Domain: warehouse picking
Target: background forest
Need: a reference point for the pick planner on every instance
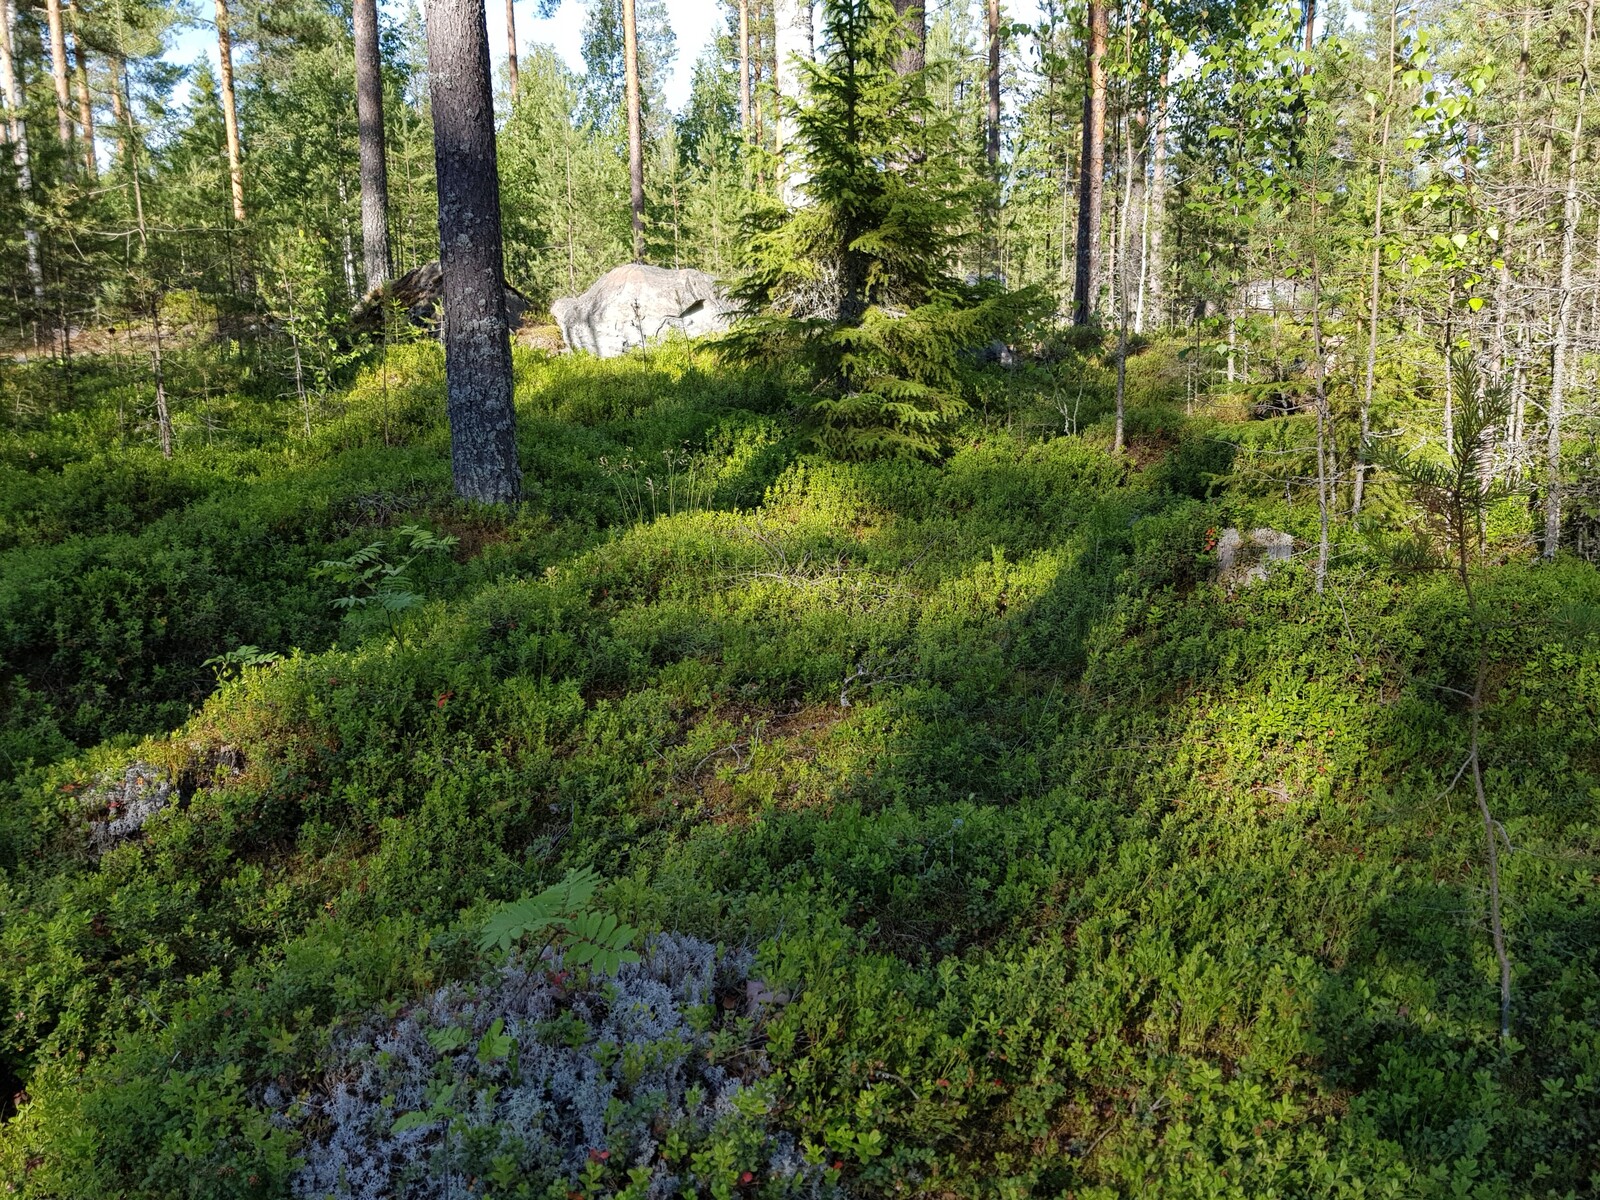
(1091, 688)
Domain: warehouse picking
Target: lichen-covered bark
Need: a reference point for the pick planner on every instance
(483, 448)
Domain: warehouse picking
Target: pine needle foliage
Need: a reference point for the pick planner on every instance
(1455, 494)
(857, 284)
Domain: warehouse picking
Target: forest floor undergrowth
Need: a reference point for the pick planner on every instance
(1036, 863)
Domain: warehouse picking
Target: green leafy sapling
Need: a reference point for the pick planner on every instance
(376, 575)
(1455, 495)
(233, 662)
(560, 918)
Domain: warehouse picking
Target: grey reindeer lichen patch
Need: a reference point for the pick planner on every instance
(532, 1084)
(119, 805)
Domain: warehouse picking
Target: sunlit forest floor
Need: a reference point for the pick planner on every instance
(1062, 868)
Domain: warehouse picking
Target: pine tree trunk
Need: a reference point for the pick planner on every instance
(17, 134)
(511, 48)
(914, 56)
(230, 112)
(993, 147)
(80, 63)
(483, 446)
(58, 71)
(744, 70)
(630, 58)
(374, 164)
(1091, 176)
(1572, 212)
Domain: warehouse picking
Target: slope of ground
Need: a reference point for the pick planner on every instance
(1066, 871)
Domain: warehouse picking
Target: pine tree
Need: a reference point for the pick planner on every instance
(374, 161)
(630, 67)
(230, 111)
(1091, 175)
(58, 70)
(483, 447)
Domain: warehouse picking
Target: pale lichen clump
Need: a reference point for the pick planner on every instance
(532, 1079)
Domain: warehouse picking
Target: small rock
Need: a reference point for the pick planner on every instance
(1245, 558)
(121, 806)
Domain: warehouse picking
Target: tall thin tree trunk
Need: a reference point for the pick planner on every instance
(1522, 83)
(58, 71)
(1134, 200)
(370, 138)
(1065, 265)
(80, 64)
(1572, 212)
(1449, 374)
(114, 78)
(511, 47)
(792, 46)
(163, 416)
(230, 111)
(914, 56)
(120, 65)
(299, 363)
(1517, 363)
(17, 133)
(994, 85)
(757, 125)
(1120, 266)
(630, 58)
(1319, 373)
(1091, 176)
(157, 371)
(483, 444)
(1369, 386)
(572, 213)
(744, 71)
(1151, 278)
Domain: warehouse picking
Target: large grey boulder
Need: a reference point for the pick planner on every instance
(629, 306)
